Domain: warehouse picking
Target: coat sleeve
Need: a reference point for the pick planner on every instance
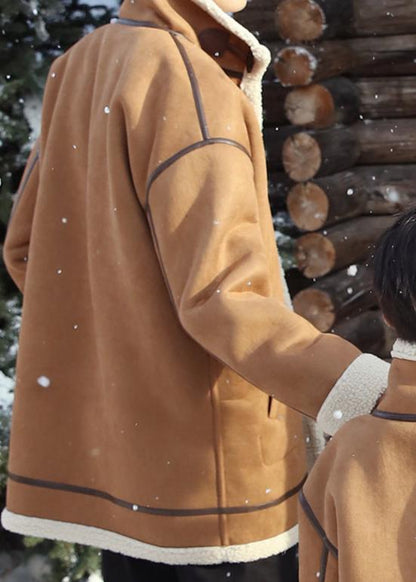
(203, 211)
(16, 246)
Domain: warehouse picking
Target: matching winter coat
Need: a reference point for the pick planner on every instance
(159, 369)
(357, 509)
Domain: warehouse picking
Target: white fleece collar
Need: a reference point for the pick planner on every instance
(403, 350)
(251, 83)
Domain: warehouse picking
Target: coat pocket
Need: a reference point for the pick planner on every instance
(273, 407)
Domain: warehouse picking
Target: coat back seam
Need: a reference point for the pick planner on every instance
(196, 92)
(324, 563)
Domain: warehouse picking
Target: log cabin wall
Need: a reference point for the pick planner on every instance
(340, 136)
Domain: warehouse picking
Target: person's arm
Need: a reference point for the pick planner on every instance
(16, 245)
(202, 208)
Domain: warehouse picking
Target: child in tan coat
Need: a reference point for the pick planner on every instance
(358, 506)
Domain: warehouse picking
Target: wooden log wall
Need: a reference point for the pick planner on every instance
(340, 137)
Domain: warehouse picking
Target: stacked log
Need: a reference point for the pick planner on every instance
(313, 20)
(340, 136)
(363, 190)
(302, 65)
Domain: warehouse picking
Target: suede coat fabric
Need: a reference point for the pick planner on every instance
(157, 357)
(358, 505)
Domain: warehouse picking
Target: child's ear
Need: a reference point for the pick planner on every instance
(387, 322)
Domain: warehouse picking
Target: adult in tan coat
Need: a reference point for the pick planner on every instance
(357, 508)
(159, 368)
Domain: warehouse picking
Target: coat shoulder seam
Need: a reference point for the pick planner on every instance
(183, 152)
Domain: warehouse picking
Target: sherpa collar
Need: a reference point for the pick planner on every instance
(190, 17)
(403, 350)
(400, 396)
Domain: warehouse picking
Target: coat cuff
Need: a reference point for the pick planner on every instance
(356, 392)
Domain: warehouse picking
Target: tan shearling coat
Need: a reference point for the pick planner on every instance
(157, 358)
(357, 508)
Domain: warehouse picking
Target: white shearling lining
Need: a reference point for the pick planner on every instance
(251, 84)
(355, 393)
(107, 540)
(403, 350)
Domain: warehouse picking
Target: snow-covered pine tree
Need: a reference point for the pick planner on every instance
(32, 34)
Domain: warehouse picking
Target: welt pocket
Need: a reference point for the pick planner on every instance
(272, 407)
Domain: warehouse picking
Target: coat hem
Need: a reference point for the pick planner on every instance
(108, 540)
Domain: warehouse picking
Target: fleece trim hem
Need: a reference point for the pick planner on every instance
(108, 540)
(355, 393)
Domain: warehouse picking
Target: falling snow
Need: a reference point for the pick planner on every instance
(44, 381)
(392, 194)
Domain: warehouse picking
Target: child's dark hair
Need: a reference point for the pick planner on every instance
(395, 275)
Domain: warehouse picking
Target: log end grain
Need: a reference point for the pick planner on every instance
(295, 66)
(311, 106)
(301, 157)
(300, 20)
(308, 206)
(315, 255)
(315, 306)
